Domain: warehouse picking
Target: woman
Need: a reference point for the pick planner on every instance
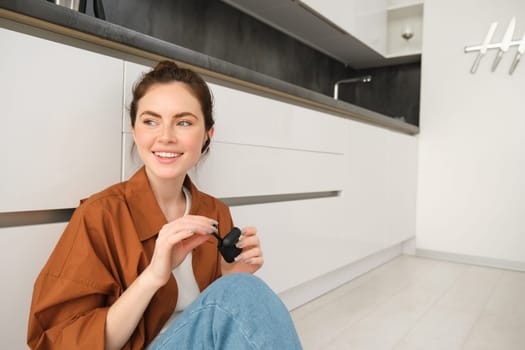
(137, 254)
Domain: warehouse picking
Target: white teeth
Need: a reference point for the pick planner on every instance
(167, 154)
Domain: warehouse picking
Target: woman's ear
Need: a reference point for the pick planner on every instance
(208, 140)
(205, 146)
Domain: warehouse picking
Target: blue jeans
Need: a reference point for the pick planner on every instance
(238, 311)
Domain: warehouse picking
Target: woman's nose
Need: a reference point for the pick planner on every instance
(167, 134)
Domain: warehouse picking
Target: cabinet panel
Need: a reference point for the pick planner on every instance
(402, 186)
(302, 240)
(60, 135)
(241, 170)
(132, 73)
(130, 157)
(365, 20)
(250, 119)
(381, 183)
(405, 20)
(366, 186)
(29, 248)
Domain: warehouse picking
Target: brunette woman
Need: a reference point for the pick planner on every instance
(138, 265)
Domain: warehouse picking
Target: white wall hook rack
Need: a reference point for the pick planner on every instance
(503, 47)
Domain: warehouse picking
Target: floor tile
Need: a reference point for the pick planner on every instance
(502, 323)
(417, 303)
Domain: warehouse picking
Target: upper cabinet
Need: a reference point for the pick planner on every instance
(364, 20)
(359, 33)
(405, 28)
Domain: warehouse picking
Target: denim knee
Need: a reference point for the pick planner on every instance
(237, 311)
(238, 287)
(256, 310)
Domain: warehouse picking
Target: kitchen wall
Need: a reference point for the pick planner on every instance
(219, 30)
(471, 174)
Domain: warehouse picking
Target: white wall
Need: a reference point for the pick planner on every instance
(471, 173)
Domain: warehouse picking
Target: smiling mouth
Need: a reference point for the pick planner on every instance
(167, 154)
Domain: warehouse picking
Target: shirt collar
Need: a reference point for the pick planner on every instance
(146, 213)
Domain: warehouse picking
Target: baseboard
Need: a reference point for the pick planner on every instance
(310, 290)
(471, 259)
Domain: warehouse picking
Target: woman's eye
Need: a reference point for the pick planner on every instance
(184, 123)
(150, 122)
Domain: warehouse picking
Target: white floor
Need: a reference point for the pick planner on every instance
(418, 303)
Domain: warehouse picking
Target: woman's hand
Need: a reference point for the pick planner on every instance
(251, 258)
(176, 239)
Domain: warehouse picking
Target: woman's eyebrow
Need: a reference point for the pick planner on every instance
(153, 114)
(178, 115)
(185, 114)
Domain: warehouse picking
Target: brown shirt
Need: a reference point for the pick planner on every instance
(108, 242)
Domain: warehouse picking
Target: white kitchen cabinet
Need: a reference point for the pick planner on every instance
(249, 119)
(380, 185)
(400, 202)
(27, 250)
(365, 20)
(232, 170)
(405, 28)
(130, 159)
(132, 74)
(267, 147)
(61, 122)
(400, 4)
(380, 24)
(301, 240)
(361, 34)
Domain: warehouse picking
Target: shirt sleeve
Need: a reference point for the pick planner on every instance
(73, 292)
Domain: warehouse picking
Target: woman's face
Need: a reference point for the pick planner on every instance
(169, 130)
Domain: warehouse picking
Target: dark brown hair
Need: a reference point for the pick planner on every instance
(167, 72)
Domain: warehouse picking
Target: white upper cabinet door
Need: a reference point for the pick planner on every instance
(364, 20)
(61, 123)
(405, 28)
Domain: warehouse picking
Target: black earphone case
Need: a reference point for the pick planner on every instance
(227, 246)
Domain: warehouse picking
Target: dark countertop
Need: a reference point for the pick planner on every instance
(77, 24)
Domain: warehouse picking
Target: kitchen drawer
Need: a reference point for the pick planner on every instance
(232, 170)
(60, 135)
(28, 250)
(249, 119)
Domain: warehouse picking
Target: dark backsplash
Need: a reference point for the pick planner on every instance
(221, 31)
(393, 91)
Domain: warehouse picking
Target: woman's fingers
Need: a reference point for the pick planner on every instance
(251, 247)
(248, 238)
(249, 231)
(190, 223)
(251, 256)
(175, 240)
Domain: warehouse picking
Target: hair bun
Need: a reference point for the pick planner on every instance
(162, 65)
